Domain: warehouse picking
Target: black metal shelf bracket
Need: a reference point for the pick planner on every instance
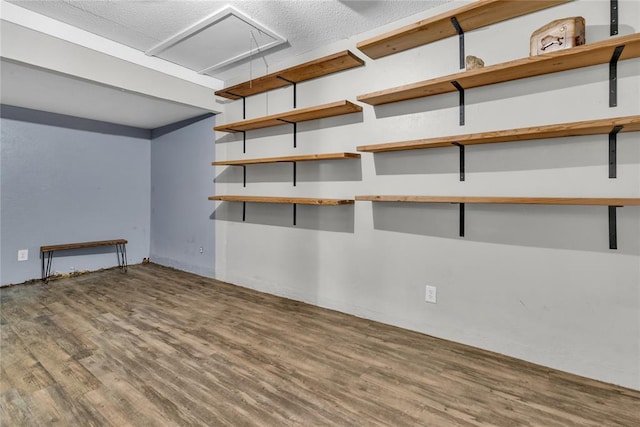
(461, 159)
(614, 17)
(461, 218)
(244, 104)
(295, 131)
(613, 143)
(244, 139)
(461, 92)
(460, 32)
(244, 175)
(613, 76)
(294, 213)
(613, 232)
(295, 86)
(244, 211)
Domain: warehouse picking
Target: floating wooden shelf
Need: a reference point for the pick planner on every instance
(588, 127)
(286, 159)
(475, 15)
(611, 203)
(299, 73)
(577, 57)
(301, 115)
(285, 200)
(507, 200)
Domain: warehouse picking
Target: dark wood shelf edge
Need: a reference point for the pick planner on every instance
(283, 200)
(283, 77)
(294, 116)
(286, 159)
(470, 17)
(563, 60)
(561, 130)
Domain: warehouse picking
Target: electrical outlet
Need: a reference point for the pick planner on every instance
(430, 294)
(23, 255)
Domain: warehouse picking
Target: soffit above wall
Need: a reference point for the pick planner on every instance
(22, 85)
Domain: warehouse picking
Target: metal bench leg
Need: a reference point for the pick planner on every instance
(121, 253)
(46, 271)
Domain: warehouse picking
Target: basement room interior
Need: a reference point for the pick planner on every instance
(320, 213)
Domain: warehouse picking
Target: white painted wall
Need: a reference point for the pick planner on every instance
(534, 282)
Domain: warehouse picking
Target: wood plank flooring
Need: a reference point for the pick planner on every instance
(159, 347)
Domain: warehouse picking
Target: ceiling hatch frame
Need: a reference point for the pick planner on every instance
(210, 21)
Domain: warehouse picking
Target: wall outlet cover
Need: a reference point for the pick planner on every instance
(430, 294)
(23, 255)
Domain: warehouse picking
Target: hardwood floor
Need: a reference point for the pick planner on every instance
(158, 347)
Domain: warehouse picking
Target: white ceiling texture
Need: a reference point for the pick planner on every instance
(202, 42)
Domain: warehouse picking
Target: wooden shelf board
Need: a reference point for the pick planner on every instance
(588, 127)
(309, 70)
(470, 17)
(302, 158)
(507, 200)
(295, 116)
(576, 57)
(287, 200)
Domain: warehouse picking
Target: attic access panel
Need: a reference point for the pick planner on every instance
(221, 39)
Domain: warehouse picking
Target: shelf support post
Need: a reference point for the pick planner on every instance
(613, 233)
(461, 147)
(613, 76)
(614, 17)
(244, 175)
(461, 219)
(295, 135)
(295, 86)
(461, 92)
(244, 211)
(244, 142)
(294, 214)
(295, 167)
(613, 143)
(460, 32)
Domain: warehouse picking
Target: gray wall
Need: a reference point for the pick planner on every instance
(182, 179)
(534, 282)
(64, 180)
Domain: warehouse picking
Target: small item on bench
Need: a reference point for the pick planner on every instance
(47, 251)
(557, 35)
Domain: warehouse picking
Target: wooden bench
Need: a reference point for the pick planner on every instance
(47, 252)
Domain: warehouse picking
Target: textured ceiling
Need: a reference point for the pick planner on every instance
(306, 24)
